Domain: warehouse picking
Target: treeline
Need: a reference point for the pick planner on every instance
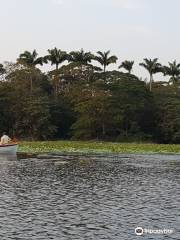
(81, 99)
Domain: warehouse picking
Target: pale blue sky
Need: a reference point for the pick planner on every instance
(131, 29)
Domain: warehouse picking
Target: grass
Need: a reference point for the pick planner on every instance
(96, 147)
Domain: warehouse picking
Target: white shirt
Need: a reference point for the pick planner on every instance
(5, 139)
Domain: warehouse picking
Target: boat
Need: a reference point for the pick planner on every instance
(10, 148)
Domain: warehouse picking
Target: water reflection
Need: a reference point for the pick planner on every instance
(7, 157)
(88, 197)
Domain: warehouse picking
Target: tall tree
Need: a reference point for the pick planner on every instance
(80, 58)
(173, 70)
(94, 113)
(104, 59)
(153, 67)
(56, 57)
(30, 60)
(127, 65)
(167, 114)
(80, 66)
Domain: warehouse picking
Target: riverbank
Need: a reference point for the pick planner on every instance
(96, 147)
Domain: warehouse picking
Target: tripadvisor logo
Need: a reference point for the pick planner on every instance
(139, 231)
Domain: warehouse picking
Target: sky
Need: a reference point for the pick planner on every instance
(131, 29)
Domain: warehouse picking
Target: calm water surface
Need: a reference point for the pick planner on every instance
(84, 197)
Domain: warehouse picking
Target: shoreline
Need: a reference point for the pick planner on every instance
(94, 147)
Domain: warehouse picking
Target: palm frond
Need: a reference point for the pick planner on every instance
(104, 59)
(29, 59)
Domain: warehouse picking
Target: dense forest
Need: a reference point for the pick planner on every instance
(81, 99)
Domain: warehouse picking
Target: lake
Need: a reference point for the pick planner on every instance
(89, 197)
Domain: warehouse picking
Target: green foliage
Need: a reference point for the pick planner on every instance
(127, 65)
(56, 57)
(130, 102)
(80, 101)
(62, 116)
(173, 70)
(28, 114)
(6, 117)
(168, 114)
(30, 59)
(93, 115)
(80, 57)
(113, 110)
(153, 67)
(104, 59)
(34, 119)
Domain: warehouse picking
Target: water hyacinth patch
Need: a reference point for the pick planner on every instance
(96, 147)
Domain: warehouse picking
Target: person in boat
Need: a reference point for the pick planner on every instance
(5, 139)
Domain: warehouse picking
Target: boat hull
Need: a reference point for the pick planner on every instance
(8, 149)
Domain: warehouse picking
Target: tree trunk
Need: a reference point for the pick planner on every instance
(150, 83)
(173, 80)
(105, 72)
(56, 81)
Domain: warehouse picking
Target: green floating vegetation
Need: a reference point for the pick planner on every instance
(96, 147)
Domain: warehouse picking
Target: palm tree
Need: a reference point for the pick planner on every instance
(30, 60)
(104, 59)
(127, 65)
(173, 70)
(80, 57)
(153, 67)
(56, 57)
(80, 63)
